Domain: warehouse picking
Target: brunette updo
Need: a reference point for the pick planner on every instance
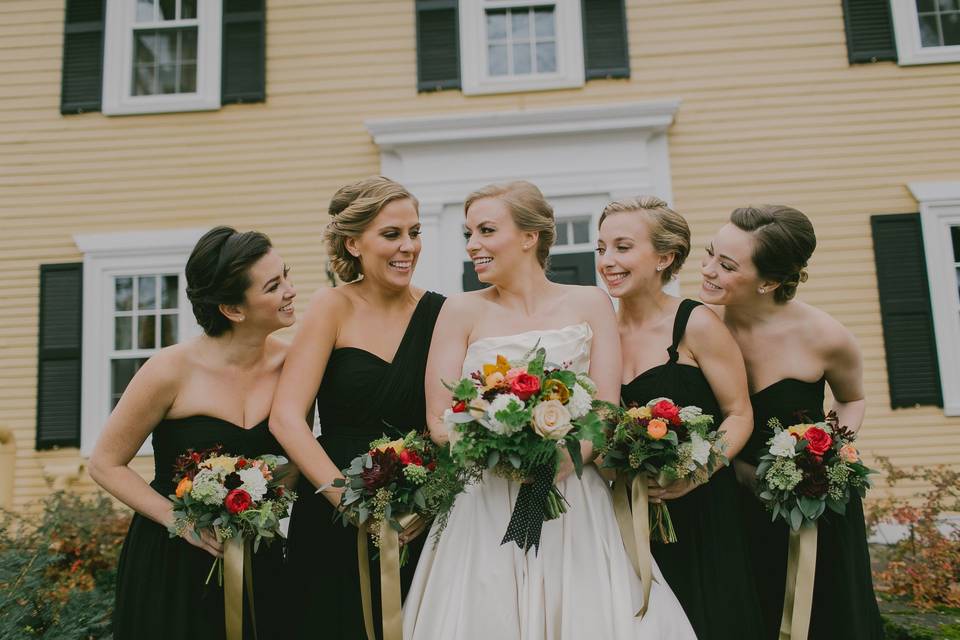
(784, 242)
(353, 207)
(218, 273)
(669, 231)
(528, 208)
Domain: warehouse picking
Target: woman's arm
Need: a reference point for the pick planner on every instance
(302, 373)
(844, 372)
(448, 347)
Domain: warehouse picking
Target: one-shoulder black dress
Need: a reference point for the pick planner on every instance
(844, 605)
(160, 580)
(707, 566)
(361, 397)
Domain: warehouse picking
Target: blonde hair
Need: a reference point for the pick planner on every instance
(669, 231)
(353, 207)
(528, 208)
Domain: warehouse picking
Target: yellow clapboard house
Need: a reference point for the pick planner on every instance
(128, 127)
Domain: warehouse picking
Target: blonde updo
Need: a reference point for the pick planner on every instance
(353, 207)
(784, 241)
(528, 208)
(669, 231)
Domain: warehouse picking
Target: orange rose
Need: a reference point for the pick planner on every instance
(657, 428)
(184, 486)
(849, 453)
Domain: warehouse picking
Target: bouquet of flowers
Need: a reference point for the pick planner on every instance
(512, 418)
(667, 443)
(808, 469)
(240, 498)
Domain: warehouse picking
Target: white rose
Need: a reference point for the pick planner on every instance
(551, 420)
(656, 400)
(500, 403)
(700, 449)
(253, 483)
(689, 414)
(783, 445)
(580, 402)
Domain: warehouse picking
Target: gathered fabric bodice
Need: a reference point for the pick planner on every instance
(568, 346)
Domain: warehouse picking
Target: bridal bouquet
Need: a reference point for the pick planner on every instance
(665, 442)
(809, 468)
(513, 418)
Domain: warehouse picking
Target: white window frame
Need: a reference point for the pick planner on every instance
(118, 61)
(106, 256)
(475, 78)
(910, 51)
(940, 210)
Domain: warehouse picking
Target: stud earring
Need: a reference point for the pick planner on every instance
(761, 291)
(659, 267)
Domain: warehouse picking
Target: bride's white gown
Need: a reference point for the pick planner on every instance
(580, 586)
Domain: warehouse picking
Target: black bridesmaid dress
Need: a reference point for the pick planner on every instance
(160, 580)
(706, 566)
(844, 605)
(361, 397)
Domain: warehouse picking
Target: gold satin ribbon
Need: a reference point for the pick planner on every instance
(390, 605)
(633, 518)
(237, 568)
(798, 595)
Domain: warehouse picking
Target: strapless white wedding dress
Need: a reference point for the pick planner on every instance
(580, 586)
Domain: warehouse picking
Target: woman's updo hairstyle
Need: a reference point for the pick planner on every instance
(218, 273)
(669, 231)
(528, 208)
(784, 239)
(353, 208)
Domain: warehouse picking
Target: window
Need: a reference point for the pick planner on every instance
(520, 45)
(927, 31)
(134, 303)
(161, 55)
(573, 232)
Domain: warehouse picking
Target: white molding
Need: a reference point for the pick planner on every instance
(475, 79)
(939, 211)
(117, 98)
(107, 255)
(906, 26)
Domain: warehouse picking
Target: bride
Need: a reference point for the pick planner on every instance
(580, 584)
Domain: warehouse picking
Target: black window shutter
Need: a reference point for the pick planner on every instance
(869, 31)
(243, 65)
(605, 52)
(912, 368)
(82, 71)
(58, 367)
(438, 45)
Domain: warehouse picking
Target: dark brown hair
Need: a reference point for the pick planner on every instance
(785, 240)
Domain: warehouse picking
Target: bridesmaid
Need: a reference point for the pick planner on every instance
(360, 355)
(211, 390)
(679, 349)
(751, 270)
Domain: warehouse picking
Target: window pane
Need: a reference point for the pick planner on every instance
(497, 59)
(188, 45)
(168, 292)
(123, 294)
(188, 9)
(929, 35)
(168, 330)
(496, 25)
(950, 24)
(144, 76)
(562, 234)
(145, 10)
(147, 292)
(581, 232)
(949, 5)
(168, 9)
(543, 23)
(122, 333)
(167, 78)
(147, 332)
(166, 50)
(144, 47)
(546, 57)
(188, 78)
(926, 5)
(955, 235)
(521, 58)
(121, 372)
(520, 24)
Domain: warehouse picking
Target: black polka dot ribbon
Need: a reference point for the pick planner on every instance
(530, 509)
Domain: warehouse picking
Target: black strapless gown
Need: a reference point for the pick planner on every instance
(844, 605)
(160, 580)
(706, 566)
(361, 397)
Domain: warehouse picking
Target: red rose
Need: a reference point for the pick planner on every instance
(432, 466)
(242, 463)
(460, 407)
(410, 457)
(525, 385)
(668, 411)
(238, 501)
(818, 441)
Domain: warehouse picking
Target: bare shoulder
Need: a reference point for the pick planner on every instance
(276, 351)
(164, 372)
(336, 299)
(827, 334)
(586, 297)
(704, 323)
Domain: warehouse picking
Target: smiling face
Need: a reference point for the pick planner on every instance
(729, 275)
(626, 259)
(268, 301)
(389, 246)
(495, 244)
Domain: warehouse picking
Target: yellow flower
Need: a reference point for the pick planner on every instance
(799, 429)
(396, 445)
(502, 365)
(556, 390)
(222, 463)
(183, 487)
(638, 413)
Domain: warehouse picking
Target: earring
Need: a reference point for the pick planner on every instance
(659, 267)
(761, 291)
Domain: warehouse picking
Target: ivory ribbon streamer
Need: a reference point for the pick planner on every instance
(390, 604)
(798, 595)
(633, 518)
(238, 569)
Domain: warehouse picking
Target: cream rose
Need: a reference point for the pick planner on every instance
(551, 420)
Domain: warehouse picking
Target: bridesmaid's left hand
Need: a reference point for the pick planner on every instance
(410, 533)
(672, 491)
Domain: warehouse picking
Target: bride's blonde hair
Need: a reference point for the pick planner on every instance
(528, 208)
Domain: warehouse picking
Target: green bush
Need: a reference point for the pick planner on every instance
(58, 568)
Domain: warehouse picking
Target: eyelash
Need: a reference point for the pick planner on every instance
(273, 287)
(483, 231)
(620, 248)
(723, 266)
(393, 235)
